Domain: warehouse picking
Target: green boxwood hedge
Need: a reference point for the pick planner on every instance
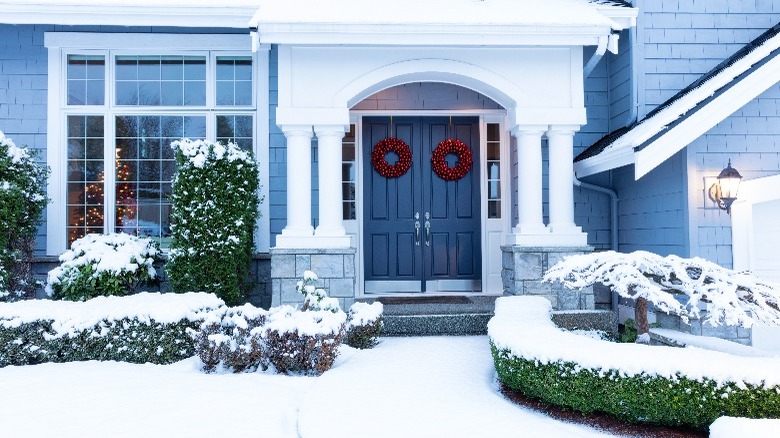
(126, 340)
(637, 399)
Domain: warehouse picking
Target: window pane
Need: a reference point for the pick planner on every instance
(86, 80)
(234, 80)
(85, 197)
(348, 170)
(144, 170)
(494, 170)
(235, 129)
(161, 80)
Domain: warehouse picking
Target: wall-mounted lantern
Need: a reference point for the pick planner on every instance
(724, 192)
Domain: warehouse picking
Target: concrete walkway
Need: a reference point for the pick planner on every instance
(420, 387)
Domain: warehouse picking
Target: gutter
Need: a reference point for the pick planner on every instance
(601, 49)
(613, 223)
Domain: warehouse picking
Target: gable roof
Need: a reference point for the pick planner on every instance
(459, 22)
(690, 113)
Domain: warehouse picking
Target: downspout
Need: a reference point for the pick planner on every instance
(601, 49)
(613, 224)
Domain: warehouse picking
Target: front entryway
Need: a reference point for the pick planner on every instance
(421, 233)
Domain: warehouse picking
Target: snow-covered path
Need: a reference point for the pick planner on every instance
(421, 387)
(404, 387)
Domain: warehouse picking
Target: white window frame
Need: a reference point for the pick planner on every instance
(62, 44)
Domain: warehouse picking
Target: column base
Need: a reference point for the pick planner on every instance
(573, 237)
(283, 241)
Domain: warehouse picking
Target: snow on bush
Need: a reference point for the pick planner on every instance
(22, 200)
(227, 338)
(365, 324)
(315, 298)
(103, 265)
(146, 327)
(214, 209)
(675, 285)
(638, 383)
(303, 342)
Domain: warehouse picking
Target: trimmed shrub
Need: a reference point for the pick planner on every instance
(22, 200)
(365, 325)
(229, 337)
(636, 383)
(303, 342)
(214, 210)
(103, 265)
(142, 328)
(639, 398)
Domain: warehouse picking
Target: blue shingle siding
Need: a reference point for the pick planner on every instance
(652, 211)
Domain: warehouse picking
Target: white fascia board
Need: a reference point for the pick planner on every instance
(607, 160)
(623, 17)
(415, 35)
(701, 121)
(148, 14)
(171, 41)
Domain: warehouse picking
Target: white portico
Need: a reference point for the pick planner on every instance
(527, 56)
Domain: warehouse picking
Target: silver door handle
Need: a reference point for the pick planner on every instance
(417, 228)
(427, 232)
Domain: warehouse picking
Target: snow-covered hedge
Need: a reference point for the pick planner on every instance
(637, 383)
(214, 209)
(103, 265)
(22, 200)
(228, 339)
(365, 324)
(146, 327)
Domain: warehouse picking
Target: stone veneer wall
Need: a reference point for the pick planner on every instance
(523, 268)
(334, 267)
(731, 333)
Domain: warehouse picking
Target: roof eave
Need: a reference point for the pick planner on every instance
(127, 15)
(607, 160)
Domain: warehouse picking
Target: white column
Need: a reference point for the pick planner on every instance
(298, 232)
(330, 231)
(529, 183)
(561, 148)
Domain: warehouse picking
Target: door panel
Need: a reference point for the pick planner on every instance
(447, 259)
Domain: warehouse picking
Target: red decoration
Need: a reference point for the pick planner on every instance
(452, 146)
(391, 145)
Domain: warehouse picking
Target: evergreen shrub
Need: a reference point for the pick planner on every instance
(214, 209)
(22, 200)
(642, 398)
(365, 325)
(103, 265)
(229, 337)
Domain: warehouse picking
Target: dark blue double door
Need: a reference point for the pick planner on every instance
(421, 233)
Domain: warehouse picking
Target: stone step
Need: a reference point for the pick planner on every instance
(436, 325)
(432, 316)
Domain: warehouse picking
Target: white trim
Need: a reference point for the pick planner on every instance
(751, 192)
(262, 146)
(607, 160)
(150, 42)
(56, 234)
(198, 13)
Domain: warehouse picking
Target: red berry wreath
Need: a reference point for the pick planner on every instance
(451, 146)
(391, 145)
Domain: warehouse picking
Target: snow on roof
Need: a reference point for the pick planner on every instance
(691, 99)
(185, 13)
(453, 12)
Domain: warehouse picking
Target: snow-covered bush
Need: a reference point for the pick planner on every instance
(304, 342)
(103, 265)
(675, 286)
(636, 383)
(315, 298)
(214, 208)
(22, 200)
(230, 337)
(365, 324)
(146, 327)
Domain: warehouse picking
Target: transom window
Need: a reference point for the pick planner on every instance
(122, 111)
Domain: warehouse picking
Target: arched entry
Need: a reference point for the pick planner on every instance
(422, 233)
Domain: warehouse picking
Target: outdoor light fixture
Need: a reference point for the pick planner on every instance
(724, 192)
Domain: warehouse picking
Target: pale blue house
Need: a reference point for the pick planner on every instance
(590, 124)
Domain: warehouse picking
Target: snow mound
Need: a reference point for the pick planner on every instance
(729, 427)
(287, 319)
(364, 313)
(522, 325)
(73, 317)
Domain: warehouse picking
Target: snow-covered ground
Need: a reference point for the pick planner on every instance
(404, 387)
